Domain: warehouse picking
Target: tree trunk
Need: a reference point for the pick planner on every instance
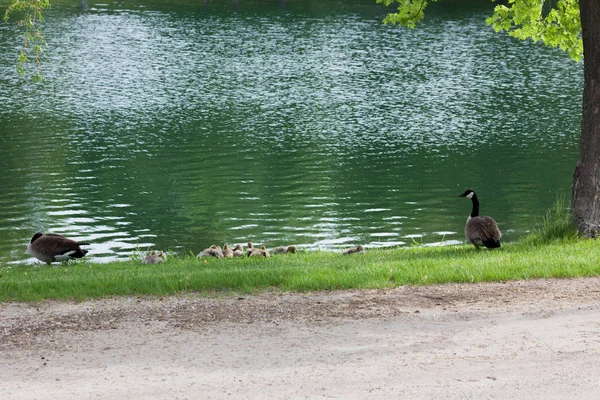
(586, 180)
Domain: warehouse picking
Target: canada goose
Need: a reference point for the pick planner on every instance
(51, 247)
(154, 258)
(284, 249)
(352, 250)
(227, 252)
(481, 230)
(238, 251)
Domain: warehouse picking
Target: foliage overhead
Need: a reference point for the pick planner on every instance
(409, 12)
(30, 14)
(556, 24)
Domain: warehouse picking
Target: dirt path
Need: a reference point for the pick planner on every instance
(534, 339)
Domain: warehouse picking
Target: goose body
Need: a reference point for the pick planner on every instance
(51, 247)
(481, 230)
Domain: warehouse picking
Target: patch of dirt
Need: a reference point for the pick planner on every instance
(454, 341)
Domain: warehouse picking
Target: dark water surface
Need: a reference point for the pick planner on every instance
(176, 126)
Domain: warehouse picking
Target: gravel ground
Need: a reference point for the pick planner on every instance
(529, 339)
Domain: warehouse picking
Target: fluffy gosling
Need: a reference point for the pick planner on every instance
(353, 250)
(212, 251)
(154, 258)
(284, 250)
(238, 251)
(262, 252)
(227, 252)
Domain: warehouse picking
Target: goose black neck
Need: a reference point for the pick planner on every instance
(475, 211)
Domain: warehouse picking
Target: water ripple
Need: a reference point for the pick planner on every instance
(177, 126)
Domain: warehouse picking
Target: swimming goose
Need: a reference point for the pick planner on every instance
(51, 247)
(480, 230)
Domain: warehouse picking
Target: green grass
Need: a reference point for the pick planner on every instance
(557, 223)
(310, 271)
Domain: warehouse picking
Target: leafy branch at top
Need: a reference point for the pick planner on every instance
(409, 12)
(556, 25)
(31, 13)
(526, 19)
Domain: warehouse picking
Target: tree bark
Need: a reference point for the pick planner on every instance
(586, 180)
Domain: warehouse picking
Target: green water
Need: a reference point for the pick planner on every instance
(176, 126)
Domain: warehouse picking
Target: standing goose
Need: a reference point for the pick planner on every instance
(481, 230)
(51, 247)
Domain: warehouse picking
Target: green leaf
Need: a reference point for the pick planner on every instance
(556, 24)
(33, 40)
(409, 12)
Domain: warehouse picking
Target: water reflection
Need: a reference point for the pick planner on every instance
(176, 126)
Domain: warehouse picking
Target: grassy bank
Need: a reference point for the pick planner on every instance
(382, 268)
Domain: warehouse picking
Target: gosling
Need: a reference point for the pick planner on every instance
(284, 250)
(262, 252)
(154, 257)
(212, 251)
(238, 251)
(227, 252)
(354, 250)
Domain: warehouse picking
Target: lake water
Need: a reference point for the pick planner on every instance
(178, 126)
